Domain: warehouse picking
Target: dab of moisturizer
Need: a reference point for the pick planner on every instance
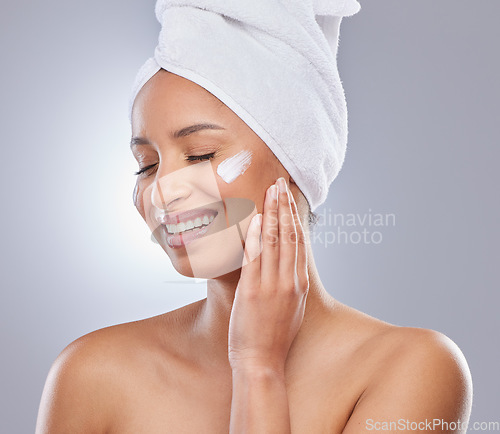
(234, 166)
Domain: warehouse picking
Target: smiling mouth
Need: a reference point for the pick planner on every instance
(190, 225)
(183, 228)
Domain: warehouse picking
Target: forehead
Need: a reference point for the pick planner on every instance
(167, 91)
(170, 102)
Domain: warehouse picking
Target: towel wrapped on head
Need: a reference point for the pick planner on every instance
(274, 64)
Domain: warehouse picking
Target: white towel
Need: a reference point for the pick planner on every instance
(274, 64)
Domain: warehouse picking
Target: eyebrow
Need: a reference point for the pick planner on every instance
(183, 132)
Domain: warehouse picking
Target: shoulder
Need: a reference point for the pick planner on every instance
(93, 373)
(429, 355)
(390, 348)
(418, 375)
(400, 374)
(77, 389)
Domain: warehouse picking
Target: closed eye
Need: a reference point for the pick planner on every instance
(188, 158)
(200, 157)
(145, 169)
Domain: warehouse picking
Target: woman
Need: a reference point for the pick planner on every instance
(269, 349)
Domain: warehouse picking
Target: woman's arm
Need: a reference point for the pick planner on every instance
(260, 402)
(267, 313)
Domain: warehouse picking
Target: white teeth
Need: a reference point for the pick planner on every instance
(186, 226)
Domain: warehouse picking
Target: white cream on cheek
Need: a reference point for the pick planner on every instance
(235, 166)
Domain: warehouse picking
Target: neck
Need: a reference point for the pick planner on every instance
(212, 320)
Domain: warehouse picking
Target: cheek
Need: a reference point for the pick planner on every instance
(252, 184)
(243, 186)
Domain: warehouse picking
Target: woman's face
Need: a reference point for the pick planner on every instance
(178, 156)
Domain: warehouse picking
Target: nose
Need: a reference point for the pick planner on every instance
(171, 189)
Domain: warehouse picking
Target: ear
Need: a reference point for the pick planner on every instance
(292, 181)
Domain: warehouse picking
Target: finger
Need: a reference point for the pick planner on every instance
(270, 239)
(301, 265)
(251, 260)
(287, 233)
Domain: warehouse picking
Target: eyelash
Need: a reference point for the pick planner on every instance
(189, 158)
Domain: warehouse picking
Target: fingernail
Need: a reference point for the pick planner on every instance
(282, 185)
(273, 192)
(258, 220)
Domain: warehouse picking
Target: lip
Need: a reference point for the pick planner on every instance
(180, 240)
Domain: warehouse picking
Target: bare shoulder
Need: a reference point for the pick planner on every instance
(93, 373)
(394, 345)
(415, 375)
(424, 358)
(73, 398)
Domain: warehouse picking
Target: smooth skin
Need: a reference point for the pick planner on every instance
(269, 350)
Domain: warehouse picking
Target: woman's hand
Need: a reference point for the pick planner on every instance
(270, 298)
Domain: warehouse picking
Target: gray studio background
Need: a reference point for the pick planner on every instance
(421, 79)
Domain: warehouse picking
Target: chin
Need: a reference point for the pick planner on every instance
(211, 262)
